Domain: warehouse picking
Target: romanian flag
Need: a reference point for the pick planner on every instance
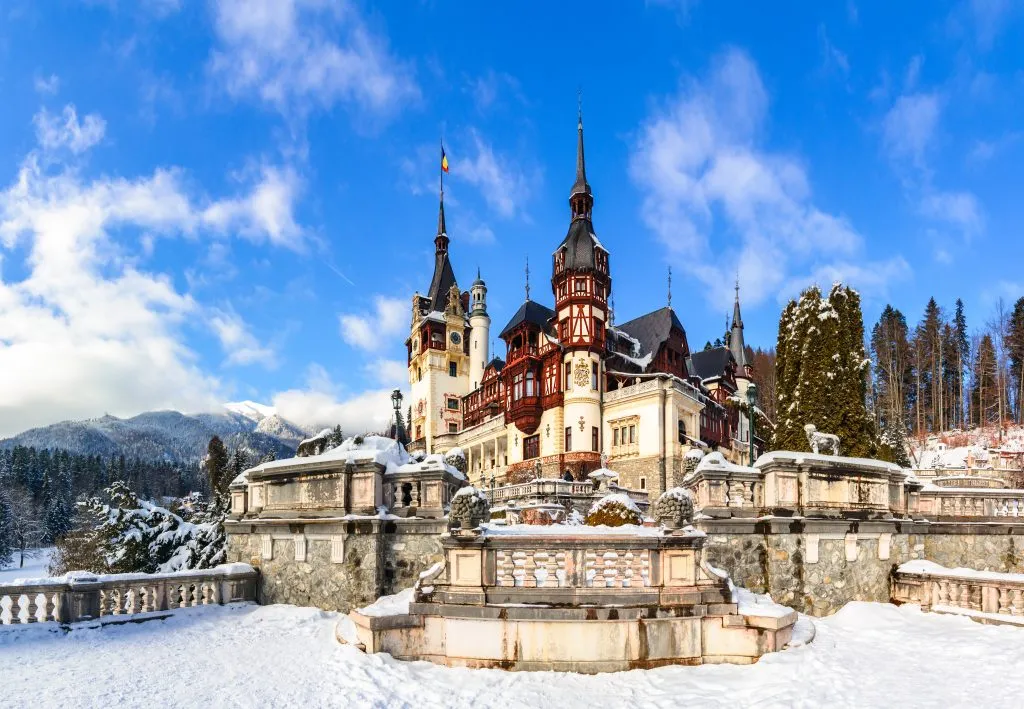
(444, 160)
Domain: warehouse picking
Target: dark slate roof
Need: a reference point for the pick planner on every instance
(709, 364)
(580, 242)
(652, 329)
(441, 283)
(498, 363)
(531, 312)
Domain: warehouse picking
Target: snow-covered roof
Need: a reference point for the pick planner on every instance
(372, 449)
(603, 474)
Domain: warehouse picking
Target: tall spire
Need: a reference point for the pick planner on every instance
(581, 199)
(527, 277)
(736, 344)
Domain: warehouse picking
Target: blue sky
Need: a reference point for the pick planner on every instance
(227, 199)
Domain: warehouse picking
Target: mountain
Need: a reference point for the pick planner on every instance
(170, 435)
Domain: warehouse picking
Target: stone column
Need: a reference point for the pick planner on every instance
(82, 599)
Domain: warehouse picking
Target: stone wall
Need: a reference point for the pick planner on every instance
(817, 566)
(345, 564)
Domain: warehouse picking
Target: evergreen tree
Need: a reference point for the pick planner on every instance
(822, 370)
(218, 474)
(1015, 350)
(336, 438)
(984, 389)
(963, 355)
(7, 542)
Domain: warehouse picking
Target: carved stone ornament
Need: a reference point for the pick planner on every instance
(582, 422)
(582, 374)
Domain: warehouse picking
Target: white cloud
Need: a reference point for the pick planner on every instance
(295, 55)
(959, 209)
(388, 372)
(989, 18)
(909, 136)
(266, 212)
(84, 330)
(502, 185)
(373, 331)
(47, 85)
(697, 159)
(909, 127)
(321, 403)
(238, 343)
(65, 131)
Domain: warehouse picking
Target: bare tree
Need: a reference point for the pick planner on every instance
(27, 525)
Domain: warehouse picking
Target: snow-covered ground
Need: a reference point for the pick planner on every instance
(867, 655)
(36, 566)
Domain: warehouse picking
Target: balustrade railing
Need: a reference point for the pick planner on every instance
(968, 502)
(80, 596)
(542, 488)
(963, 591)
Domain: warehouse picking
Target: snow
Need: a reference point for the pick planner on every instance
(716, 461)
(433, 462)
(921, 566)
(603, 474)
(757, 604)
(801, 458)
(395, 604)
(232, 656)
(251, 410)
(377, 449)
(616, 498)
(572, 530)
(35, 566)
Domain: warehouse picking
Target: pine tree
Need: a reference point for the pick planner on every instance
(218, 474)
(821, 371)
(7, 542)
(336, 438)
(963, 355)
(1015, 350)
(984, 390)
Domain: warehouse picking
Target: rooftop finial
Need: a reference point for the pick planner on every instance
(611, 311)
(670, 286)
(527, 277)
(580, 198)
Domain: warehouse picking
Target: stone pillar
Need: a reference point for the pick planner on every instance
(82, 599)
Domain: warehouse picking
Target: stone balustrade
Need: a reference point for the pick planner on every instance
(946, 504)
(983, 595)
(81, 596)
(573, 599)
(581, 494)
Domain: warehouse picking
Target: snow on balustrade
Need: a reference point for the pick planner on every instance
(987, 596)
(79, 595)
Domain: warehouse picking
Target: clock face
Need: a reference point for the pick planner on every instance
(456, 338)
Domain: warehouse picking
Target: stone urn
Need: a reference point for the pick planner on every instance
(674, 508)
(469, 509)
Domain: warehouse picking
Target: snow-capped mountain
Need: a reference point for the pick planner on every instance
(251, 410)
(170, 435)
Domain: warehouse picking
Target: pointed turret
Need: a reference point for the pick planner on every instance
(444, 276)
(581, 200)
(736, 344)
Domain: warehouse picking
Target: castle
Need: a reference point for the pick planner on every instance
(574, 390)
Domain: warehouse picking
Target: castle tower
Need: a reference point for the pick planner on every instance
(581, 284)
(744, 369)
(480, 331)
(438, 352)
